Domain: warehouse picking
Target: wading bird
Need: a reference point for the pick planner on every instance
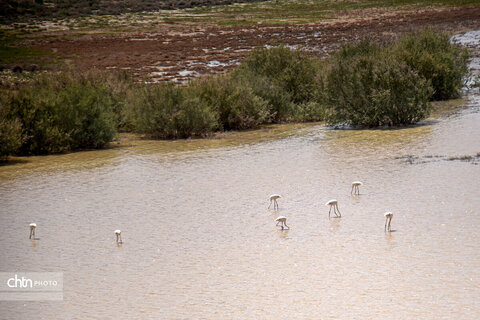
(33, 226)
(283, 222)
(388, 215)
(355, 187)
(333, 204)
(273, 198)
(118, 233)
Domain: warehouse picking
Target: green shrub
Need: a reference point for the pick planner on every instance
(117, 85)
(194, 118)
(371, 89)
(60, 113)
(86, 113)
(435, 58)
(282, 77)
(366, 47)
(234, 101)
(310, 111)
(11, 137)
(279, 101)
(168, 111)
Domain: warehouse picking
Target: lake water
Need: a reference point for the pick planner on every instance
(200, 243)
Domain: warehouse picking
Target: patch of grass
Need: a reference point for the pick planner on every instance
(11, 54)
(126, 14)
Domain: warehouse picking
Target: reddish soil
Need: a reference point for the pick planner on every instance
(180, 53)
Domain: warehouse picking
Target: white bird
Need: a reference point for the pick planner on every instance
(33, 226)
(283, 222)
(333, 204)
(388, 215)
(273, 198)
(118, 233)
(355, 187)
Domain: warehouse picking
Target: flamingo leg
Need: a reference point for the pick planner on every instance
(329, 212)
(339, 214)
(270, 204)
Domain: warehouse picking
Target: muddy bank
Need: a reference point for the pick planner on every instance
(184, 52)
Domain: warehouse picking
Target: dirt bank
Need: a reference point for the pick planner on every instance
(180, 53)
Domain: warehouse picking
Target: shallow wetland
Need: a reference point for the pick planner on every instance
(200, 243)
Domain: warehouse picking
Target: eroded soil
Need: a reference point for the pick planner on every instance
(179, 53)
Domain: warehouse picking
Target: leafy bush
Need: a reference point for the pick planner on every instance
(366, 47)
(282, 77)
(86, 114)
(11, 137)
(368, 88)
(234, 101)
(60, 113)
(194, 118)
(168, 111)
(310, 111)
(435, 58)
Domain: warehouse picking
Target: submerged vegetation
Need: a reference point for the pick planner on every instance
(363, 84)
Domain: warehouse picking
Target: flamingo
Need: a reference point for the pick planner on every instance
(333, 204)
(33, 226)
(118, 233)
(388, 215)
(273, 198)
(283, 222)
(355, 187)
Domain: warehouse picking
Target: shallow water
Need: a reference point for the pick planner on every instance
(200, 243)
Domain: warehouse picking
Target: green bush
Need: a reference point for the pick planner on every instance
(167, 111)
(283, 77)
(368, 88)
(435, 58)
(60, 113)
(194, 118)
(310, 111)
(363, 48)
(234, 101)
(11, 137)
(86, 113)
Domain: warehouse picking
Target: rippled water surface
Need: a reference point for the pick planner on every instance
(200, 243)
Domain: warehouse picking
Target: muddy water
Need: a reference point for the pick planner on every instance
(200, 243)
